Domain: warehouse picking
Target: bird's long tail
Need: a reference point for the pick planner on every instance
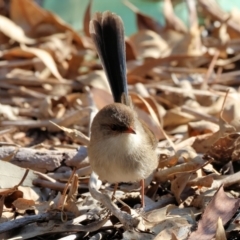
(107, 33)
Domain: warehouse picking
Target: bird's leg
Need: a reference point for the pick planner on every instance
(142, 193)
(114, 190)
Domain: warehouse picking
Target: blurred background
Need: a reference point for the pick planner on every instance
(72, 11)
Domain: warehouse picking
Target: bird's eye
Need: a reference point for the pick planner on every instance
(117, 128)
(114, 127)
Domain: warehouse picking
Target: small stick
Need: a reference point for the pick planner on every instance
(142, 193)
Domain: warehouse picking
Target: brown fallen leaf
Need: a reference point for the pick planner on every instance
(74, 134)
(205, 181)
(213, 9)
(222, 137)
(143, 69)
(95, 79)
(220, 206)
(149, 44)
(169, 173)
(50, 108)
(201, 127)
(70, 204)
(174, 237)
(87, 18)
(13, 31)
(144, 105)
(101, 97)
(38, 21)
(24, 204)
(175, 116)
(144, 22)
(46, 59)
(172, 21)
(32, 17)
(178, 226)
(223, 149)
(153, 217)
(179, 184)
(11, 196)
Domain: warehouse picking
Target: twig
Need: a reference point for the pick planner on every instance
(211, 67)
(177, 90)
(65, 193)
(41, 160)
(23, 178)
(45, 177)
(223, 105)
(10, 225)
(67, 120)
(126, 219)
(27, 230)
(18, 63)
(74, 134)
(65, 175)
(46, 184)
(6, 131)
(202, 116)
(230, 180)
(54, 185)
(93, 108)
(146, 67)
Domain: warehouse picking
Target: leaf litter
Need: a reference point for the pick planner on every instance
(183, 81)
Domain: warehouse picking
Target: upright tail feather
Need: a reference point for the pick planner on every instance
(107, 33)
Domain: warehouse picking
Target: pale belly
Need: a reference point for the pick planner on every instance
(114, 164)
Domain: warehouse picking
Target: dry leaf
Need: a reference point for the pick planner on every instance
(223, 149)
(220, 233)
(172, 21)
(191, 166)
(201, 181)
(130, 50)
(95, 79)
(201, 127)
(13, 31)
(8, 112)
(11, 196)
(221, 206)
(179, 184)
(144, 22)
(149, 44)
(175, 117)
(173, 225)
(23, 204)
(46, 59)
(32, 18)
(87, 18)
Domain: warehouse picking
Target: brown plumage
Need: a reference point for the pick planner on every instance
(122, 148)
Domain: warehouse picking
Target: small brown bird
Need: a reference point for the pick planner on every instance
(122, 148)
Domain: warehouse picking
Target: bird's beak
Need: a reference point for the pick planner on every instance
(130, 130)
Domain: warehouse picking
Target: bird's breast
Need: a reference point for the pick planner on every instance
(121, 158)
